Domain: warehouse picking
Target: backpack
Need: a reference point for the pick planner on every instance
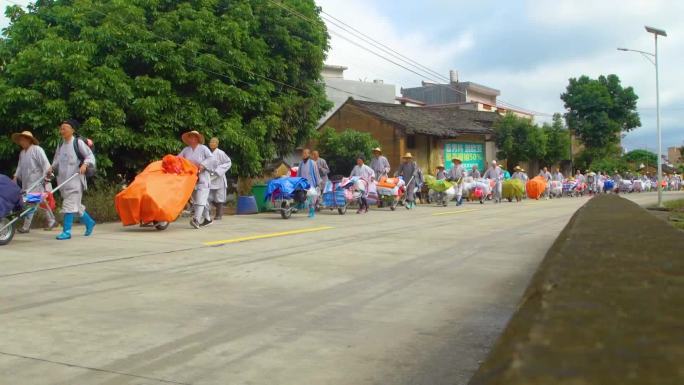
(92, 170)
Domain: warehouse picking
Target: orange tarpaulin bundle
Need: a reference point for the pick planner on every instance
(159, 193)
(536, 187)
(389, 182)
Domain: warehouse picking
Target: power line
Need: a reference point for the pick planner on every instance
(298, 14)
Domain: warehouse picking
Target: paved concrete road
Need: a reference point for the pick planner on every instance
(385, 298)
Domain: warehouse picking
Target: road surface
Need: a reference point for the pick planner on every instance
(384, 298)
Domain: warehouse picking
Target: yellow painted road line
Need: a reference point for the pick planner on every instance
(454, 212)
(265, 236)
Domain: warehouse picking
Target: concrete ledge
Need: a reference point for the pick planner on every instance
(605, 307)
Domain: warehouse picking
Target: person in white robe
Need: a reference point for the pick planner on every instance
(31, 170)
(218, 183)
(199, 155)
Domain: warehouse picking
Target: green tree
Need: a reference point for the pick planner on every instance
(518, 139)
(340, 150)
(641, 156)
(599, 110)
(138, 73)
(558, 141)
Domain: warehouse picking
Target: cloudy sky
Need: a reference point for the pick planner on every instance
(526, 48)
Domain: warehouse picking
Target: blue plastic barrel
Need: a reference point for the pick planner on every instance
(247, 205)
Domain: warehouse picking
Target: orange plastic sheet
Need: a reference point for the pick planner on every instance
(388, 182)
(159, 193)
(536, 187)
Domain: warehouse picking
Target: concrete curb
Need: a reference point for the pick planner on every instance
(605, 307)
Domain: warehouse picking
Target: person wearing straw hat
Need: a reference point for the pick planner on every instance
(409, 171)
(218, 182)
(366, 174)
(456, 175)
(440, 174)
(519, 174)
(379, 164)
(32, 168)
(199, 155)
(66, 163)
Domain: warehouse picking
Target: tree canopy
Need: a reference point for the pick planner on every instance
(599, 111)
(340, 150)
(138, 73)
(557, 141)
(641, 156)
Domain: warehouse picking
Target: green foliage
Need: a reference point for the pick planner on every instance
(599, 110)
(138, 73)
(558, 141)
(340, 150)
(99, 201)
(641, 156)
(518, 139)
(609, 165)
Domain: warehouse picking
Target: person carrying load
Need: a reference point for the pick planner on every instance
(308, 169)
(380, 165)
(456, 175)
(68, 162)
(494, 173)
(409, 171)
(199, 155)
(31, 170)
(365, 173)
(440, 174)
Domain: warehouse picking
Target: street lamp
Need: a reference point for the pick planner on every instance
(656, 32)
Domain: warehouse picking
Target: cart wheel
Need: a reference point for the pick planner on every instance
(393, 206)
(342, 210)
(161, 226)
(285, 210)
(7, 234)
(510, 199)
(481, 201)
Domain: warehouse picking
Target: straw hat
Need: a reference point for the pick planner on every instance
(25, 134)
(518, 168)
(186, 135)
(440, 166)
(377, 149)
(456, 160)
(522, 170)
(407, 156)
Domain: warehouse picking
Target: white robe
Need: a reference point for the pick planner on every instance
(66, 164)
(219, 183)
(200, 156)
(33, 166)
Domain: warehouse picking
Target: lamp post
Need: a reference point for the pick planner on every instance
(656, 32)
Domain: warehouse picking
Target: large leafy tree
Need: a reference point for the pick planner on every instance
(641, 156)
(518, 139)
(140, 72)
(599, 111)
(341, 149)
(558, 141)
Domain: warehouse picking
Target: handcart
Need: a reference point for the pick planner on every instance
(391, 192)
(287, 195)
(31, 202)
(336, 195)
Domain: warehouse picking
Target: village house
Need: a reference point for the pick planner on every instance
(433, 135)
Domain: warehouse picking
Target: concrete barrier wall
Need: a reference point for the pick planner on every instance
(605, 307)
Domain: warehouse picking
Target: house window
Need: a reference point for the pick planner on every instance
(410, 141)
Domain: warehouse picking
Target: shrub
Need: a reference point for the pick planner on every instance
(341, 149)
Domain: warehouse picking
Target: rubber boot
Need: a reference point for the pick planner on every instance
(89, 224)
(312, 211)
(219, 211)
(66, 231)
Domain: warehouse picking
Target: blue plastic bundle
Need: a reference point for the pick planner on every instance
(335, 198)
(285, 187)
(10, 196)
(609, 185)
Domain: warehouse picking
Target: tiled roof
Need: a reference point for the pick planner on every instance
(443, 122)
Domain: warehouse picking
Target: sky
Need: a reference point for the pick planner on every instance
(528, 49)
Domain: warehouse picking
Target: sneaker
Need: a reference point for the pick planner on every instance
(207, 222)
(51, 226)
(22, 230)
(194, 224)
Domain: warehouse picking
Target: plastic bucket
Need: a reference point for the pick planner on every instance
(247, 205)
(259, 192)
